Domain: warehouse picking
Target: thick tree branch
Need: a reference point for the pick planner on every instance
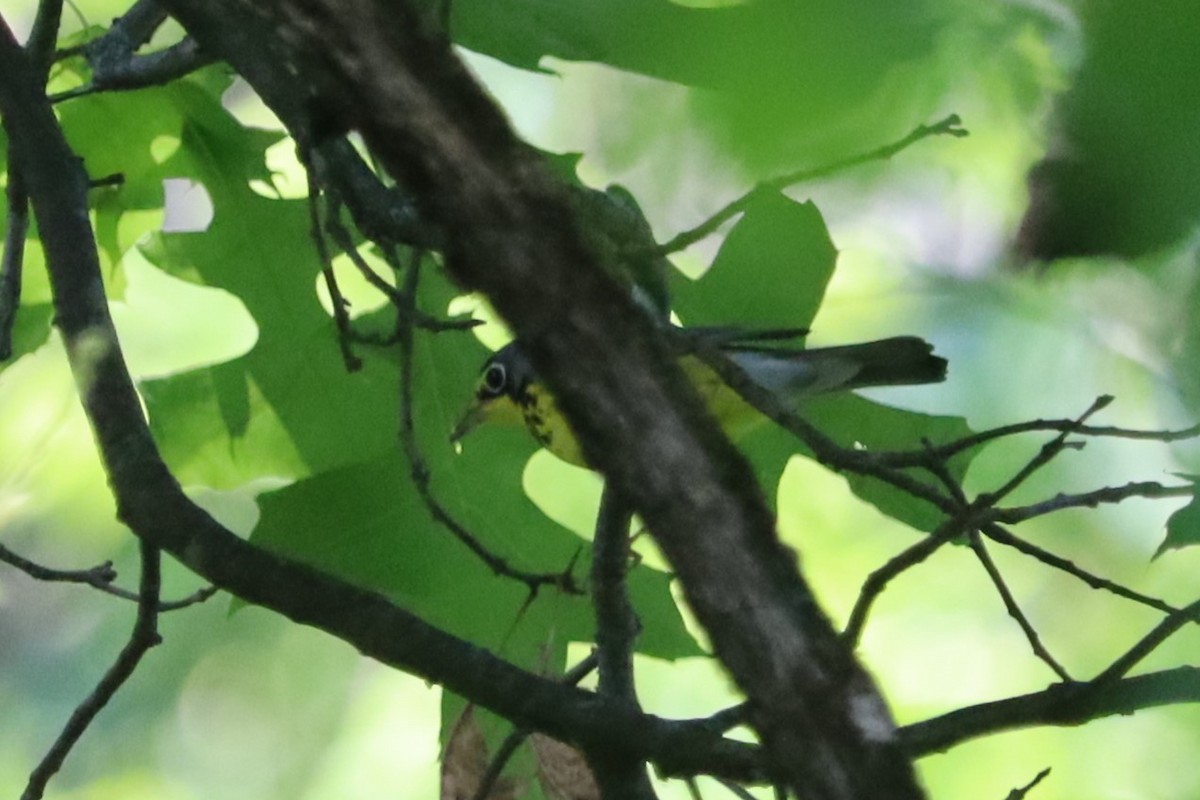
(616, 631)
(40, 48)
(152, 504)
(366, 66)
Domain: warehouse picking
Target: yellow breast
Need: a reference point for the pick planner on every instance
(548, 425)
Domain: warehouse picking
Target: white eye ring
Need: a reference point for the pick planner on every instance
(495, 378)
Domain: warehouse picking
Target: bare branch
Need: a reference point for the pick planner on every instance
(948, 449)
(116, 64)
(1092, 499)
(40, 47)
(99, 577)
(341, 237)
(419, 469)
(616, 623)
(1060, 704)
(1023, 791)
(1121, 667)
(1043, 457)
(1014, 610)
(143, 637)
(341, 315)
(878, 580)
(950, 126)
(1001, 536)
(508, 747)
(154, 507)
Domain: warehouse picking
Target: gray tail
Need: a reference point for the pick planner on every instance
(888, 362)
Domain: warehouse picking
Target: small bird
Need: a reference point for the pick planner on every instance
(509, 391)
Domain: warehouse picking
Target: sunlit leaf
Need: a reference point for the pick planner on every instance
(770, 272)
(1183, 527)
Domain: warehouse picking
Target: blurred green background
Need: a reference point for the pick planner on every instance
(247, 705)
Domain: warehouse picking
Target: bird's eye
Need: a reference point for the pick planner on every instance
(494, 379)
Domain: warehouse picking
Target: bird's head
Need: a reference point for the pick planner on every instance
(505, 382)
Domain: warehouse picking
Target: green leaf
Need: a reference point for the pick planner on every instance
(135, 134)
(780, 78)
(1122, 176)
(854, 421)
(367, 524)
(31, 330)
(771, 271)
(289, 408)
(1183, 527)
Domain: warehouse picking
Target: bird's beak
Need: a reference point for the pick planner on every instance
(470, 419)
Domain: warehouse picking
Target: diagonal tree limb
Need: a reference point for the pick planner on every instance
(821, 719)
(367, 66)
(151, 503)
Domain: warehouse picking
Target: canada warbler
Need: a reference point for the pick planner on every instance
(509, 391)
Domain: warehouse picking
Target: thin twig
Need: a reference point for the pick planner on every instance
(738, 791)
(964, 520)
(878, 580)
(99, 577)
(114, 179)
(1121, 667)
(1014, 610)
(1023, 791)
(341, 237)
(949, 126)
(419, 469)
(340, 315)
(933, 452)
(1001, 536)
(1109, 494)
(143, 637)
(518, 736)
(942, 471)
(616, 623)
(1044, 455)
(948, 449)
